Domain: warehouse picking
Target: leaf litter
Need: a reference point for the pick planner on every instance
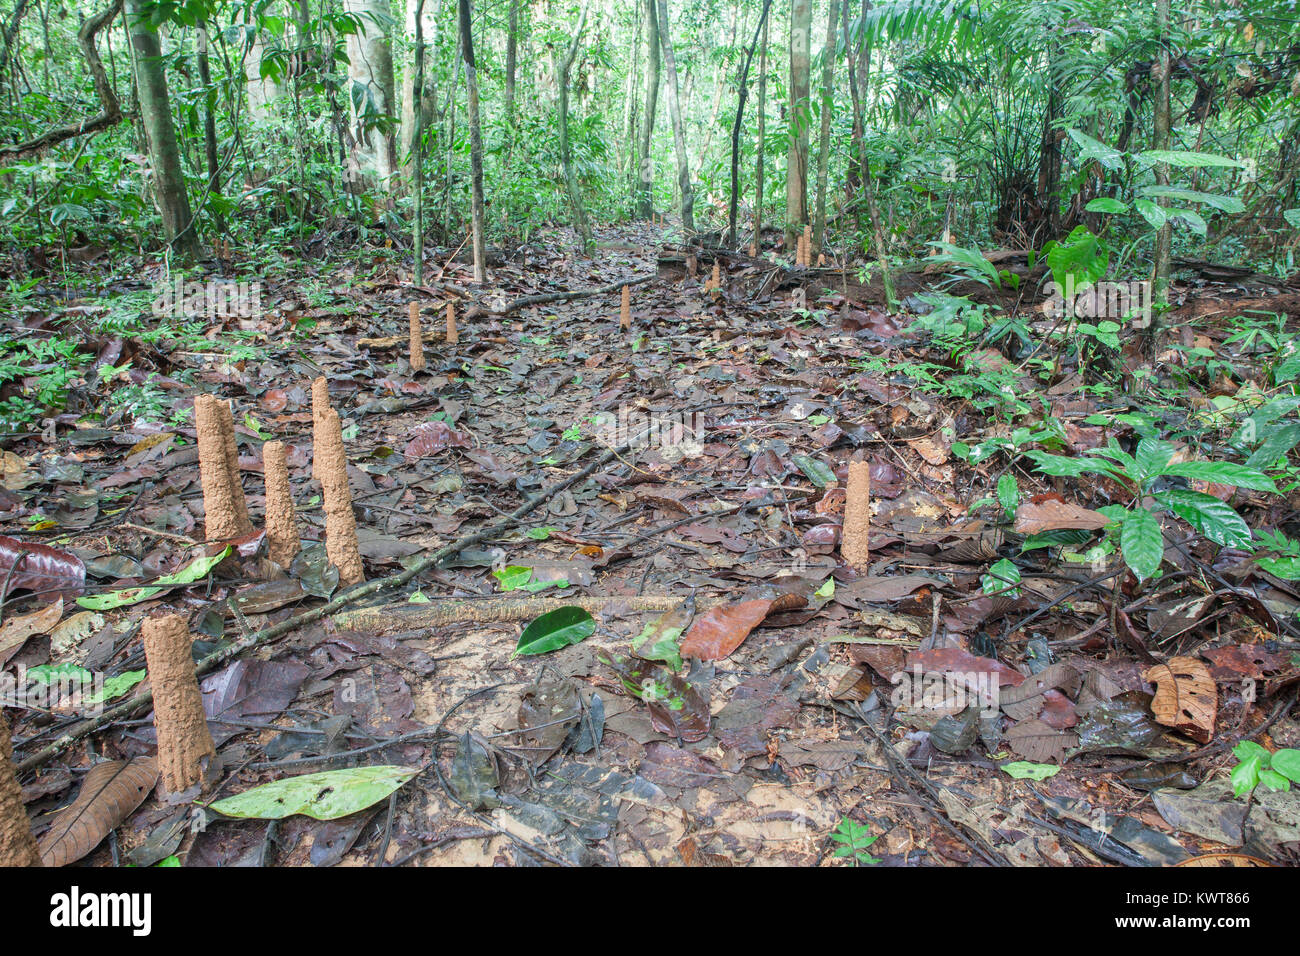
(699, 680)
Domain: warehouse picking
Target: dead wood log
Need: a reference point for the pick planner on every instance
(475, 311)
(498, 608)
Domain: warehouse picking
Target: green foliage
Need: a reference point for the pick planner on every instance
(328, 795)
(854, 839)
(1255, 766)
(971, 264)
(41, 370)
(555, 629)
(1141, 540)
(1002, 578)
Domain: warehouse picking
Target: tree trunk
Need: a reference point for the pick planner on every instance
(416, 163)
(160, 132)
(853, 180)
(742, 95)
(1164, 236)
(627, 144)
(796, 167)
(645, 165)
(209, 112)
(262, 91)
(566, 158)
(512, 57)
(679, 129)
(824, 147)
(475, 140)
(370, 67)
(424, 109)
(857, 91)
(762, 139)
(712, 121)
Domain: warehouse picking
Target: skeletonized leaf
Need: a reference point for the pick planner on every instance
(1038, 742)
(1186, 697)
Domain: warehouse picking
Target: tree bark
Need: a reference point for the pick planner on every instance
(1164, 236)
(160, 132)
(796, 167)
(762, 140)
(742, 95)
(370, 67)
(679, 129)
(512, 57)
(645, 165)
(475, 140)
(571, 180)
(824, 147)
(417, 111)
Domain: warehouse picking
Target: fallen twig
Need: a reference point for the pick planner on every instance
(525, 301)
(217, 658)
(929, 798)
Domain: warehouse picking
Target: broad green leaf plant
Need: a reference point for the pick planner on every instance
(1141, 540)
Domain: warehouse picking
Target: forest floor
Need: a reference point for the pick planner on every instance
(799, 728)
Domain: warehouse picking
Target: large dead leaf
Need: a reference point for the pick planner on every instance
(1233, 662)
(429, 438)
(109, 794)
(1027, 700)
(1051, 515)
(18, 628)
(872, 590)
(721, 630)
(1186, 697)
(1034, 740)
(964, 668)
(39, 568)
(546, 714)
(676, 707)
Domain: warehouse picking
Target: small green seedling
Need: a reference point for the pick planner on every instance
(1256, 765)
(854, 840)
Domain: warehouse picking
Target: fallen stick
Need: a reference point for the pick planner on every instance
(498, 608)
(525, 301)
(258, 638)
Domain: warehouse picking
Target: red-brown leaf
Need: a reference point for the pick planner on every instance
(1037, 517)
(721, 630)
(29, 566)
